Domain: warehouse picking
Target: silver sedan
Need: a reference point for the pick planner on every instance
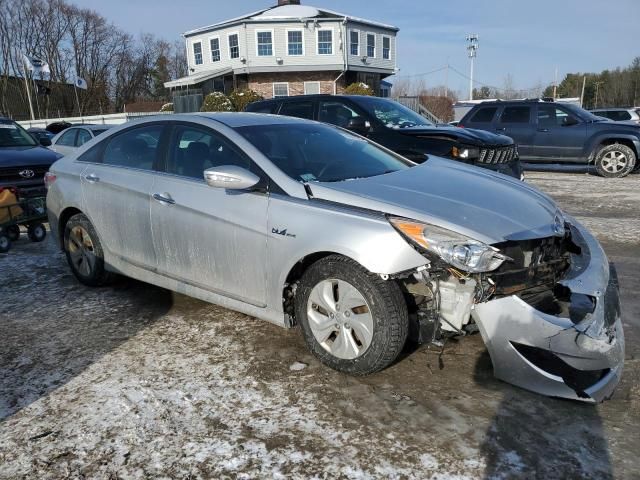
(301, 223)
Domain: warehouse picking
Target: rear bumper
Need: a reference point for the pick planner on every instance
(557, 356)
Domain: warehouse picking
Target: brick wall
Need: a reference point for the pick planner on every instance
(263, 82)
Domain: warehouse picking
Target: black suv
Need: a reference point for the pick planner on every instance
(400, 129)
(553, 132)
(23, 161)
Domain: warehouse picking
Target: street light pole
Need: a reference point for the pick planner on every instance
(472, 49)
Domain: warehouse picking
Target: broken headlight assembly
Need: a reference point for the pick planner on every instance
(455, 249)
(465, 153)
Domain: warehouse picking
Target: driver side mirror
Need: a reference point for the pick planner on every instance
(569, 121)
(359, 125)
(230, 177)
(45, 141)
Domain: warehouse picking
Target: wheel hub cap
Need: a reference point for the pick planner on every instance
(81, 250)
(340, 319)
(614, 162)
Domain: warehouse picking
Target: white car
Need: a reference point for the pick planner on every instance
(73, 137)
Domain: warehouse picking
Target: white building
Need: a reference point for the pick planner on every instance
(289, 49)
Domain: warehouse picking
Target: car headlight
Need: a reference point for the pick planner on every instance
(465, 153)
(457, 250)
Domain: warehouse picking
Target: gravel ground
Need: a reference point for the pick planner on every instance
(133, 381)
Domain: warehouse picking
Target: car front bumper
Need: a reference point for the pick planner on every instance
(578, 358)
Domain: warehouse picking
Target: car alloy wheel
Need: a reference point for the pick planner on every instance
(340, 319)
(81, 250)
(615, 161)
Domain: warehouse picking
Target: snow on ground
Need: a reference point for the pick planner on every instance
(132, 381)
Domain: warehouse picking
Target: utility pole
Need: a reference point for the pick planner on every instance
(584, 83)
(555, 85)
(26, 84)
(597, 90)
(472, 49)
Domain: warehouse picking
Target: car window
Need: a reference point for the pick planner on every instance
(195, 149)
(311, 152)
(515, 115)
(484, 115)
(265, 108)
(83, 137)
(298, 109)
(622, 115)
(13, 135)
(98, 131)
(550, 116)
(134, 148)
(68, 138)
(336, 113)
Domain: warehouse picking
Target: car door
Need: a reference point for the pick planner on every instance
(560, 136)
(211, 238)
(66, 142)
(516, 121)
(116, 192)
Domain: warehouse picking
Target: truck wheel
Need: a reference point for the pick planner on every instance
(351, 320)
(615, 161)
(5, 242)
(84, 252)
(36, 232)
(13, 232)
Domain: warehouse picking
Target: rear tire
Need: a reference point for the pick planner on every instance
(5, 242)
(351, 319)
(615, 161)
(84, 252)
(36, 232)
(13, 232)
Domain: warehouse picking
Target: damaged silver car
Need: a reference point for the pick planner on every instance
(301, 223)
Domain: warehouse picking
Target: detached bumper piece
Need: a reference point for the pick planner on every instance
(577, 354)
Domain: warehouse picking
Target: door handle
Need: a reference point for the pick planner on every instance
(543, 129)
(91, 178)
(164, 199)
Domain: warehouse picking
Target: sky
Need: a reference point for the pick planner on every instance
(527, 40)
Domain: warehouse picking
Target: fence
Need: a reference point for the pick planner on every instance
(110, 119)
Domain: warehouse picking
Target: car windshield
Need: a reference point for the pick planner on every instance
(583, 114)
(13, 135)
(392, 114)
(319, 153)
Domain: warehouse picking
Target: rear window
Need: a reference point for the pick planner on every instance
(484, 115)
(515, 115)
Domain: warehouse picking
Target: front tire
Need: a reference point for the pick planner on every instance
(5, 242)
(351, 319)
(615, 161)
(84, 252)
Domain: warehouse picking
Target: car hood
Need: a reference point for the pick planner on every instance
(26, 156)
(475, 202)
(463, 135)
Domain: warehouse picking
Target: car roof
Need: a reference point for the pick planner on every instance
(244, 119)
(613, 109)
(89, 126)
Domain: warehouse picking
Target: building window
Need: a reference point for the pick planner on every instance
(197, 53)
(295, 44)
(265, 44)
(325, 42)
(371, 45)
(280, 90)
(311, 88)
(234, 46)
(386, 48)
(355, 42)
(215, 49)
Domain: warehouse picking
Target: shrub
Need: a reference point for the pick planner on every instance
(216, 102)
(241, 98)
(359, 88)
(167, 107)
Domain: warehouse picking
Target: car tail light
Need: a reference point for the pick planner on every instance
(460, 125)
(49, 179)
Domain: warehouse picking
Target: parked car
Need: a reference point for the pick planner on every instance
(619, 114)
(298, 222)
(23, 161)
(42, 135)
(401, 129)
(553, 132)
(75, 136)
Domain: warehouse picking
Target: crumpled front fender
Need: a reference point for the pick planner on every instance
(576, 358)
